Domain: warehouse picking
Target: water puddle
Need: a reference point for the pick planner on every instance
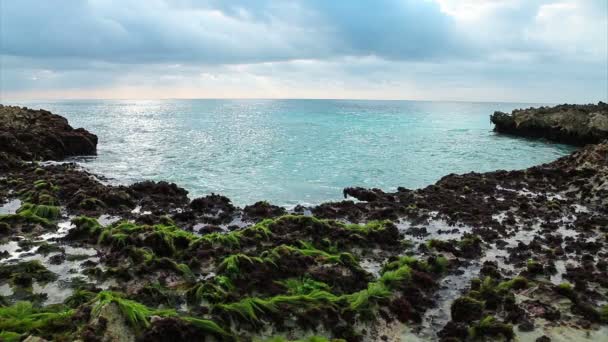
(106, 220)
(436, 229)
(451, 287)
(10, 207)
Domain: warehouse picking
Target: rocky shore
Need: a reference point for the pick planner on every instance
(481, 256)
(569, 124)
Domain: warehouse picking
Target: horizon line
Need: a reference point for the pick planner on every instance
(279, 99)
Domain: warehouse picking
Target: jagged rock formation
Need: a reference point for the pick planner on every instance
(40, 135)
(570, 124)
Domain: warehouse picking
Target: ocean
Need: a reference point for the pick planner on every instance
(295, 151)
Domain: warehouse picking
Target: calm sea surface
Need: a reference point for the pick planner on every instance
(296, 151)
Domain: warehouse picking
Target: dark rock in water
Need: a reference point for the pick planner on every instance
(454, 332)
(570, 124)
(526, 326)
(40, 135)
(159, 195)
(57, 259)
(261, 210)
(466, 309)
(214, 209)
(212, 204)
(362, 194)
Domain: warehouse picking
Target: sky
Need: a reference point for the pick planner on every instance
(549, 51)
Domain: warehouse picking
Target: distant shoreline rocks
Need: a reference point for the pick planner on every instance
(570, 124)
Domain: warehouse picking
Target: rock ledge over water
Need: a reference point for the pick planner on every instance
(570, 124)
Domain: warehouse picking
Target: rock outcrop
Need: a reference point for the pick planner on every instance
(40, 135)
(570, 124)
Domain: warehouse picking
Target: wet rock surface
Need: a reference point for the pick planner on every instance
(570, 124)
(497, 255)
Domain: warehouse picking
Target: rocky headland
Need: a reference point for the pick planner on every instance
(481, 256)
(40, 135)
(569, 124)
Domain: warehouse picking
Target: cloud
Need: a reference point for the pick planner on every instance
(468, 49)
(132, 31)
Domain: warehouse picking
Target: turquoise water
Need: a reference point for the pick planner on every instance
(296, 151)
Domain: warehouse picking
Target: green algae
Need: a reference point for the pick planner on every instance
(9, 336)
(250, 308)
(365, 229)
(434, 264)
(307, 249)
(566, 290)
(79, 297)
(264, 229)
(84, 228)
(22, 318)
(516, 283)
(34, 213)
(164, 240)
(534, 267)
(92, 203)
(303, 286)
(135, 313)
(367, 298)
(155, 294)
(231, 264)
(138, 315)
(48, 212)
(215, 291)
(164, 245)
(207, 326)
(490, 327)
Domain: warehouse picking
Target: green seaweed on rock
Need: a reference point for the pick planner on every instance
(305, 285)
(490, 327)
(250, 308)
(48, 212)
(79, 297)
(22, 318)
(84, 228)
(434, 264)
(34, 213)
(138, 315)
(92, 203)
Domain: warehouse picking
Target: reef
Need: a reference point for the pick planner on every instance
(570, 124)
(480, 256)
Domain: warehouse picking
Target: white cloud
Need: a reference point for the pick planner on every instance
(520, 50)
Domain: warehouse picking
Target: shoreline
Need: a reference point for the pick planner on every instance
(498, 253)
